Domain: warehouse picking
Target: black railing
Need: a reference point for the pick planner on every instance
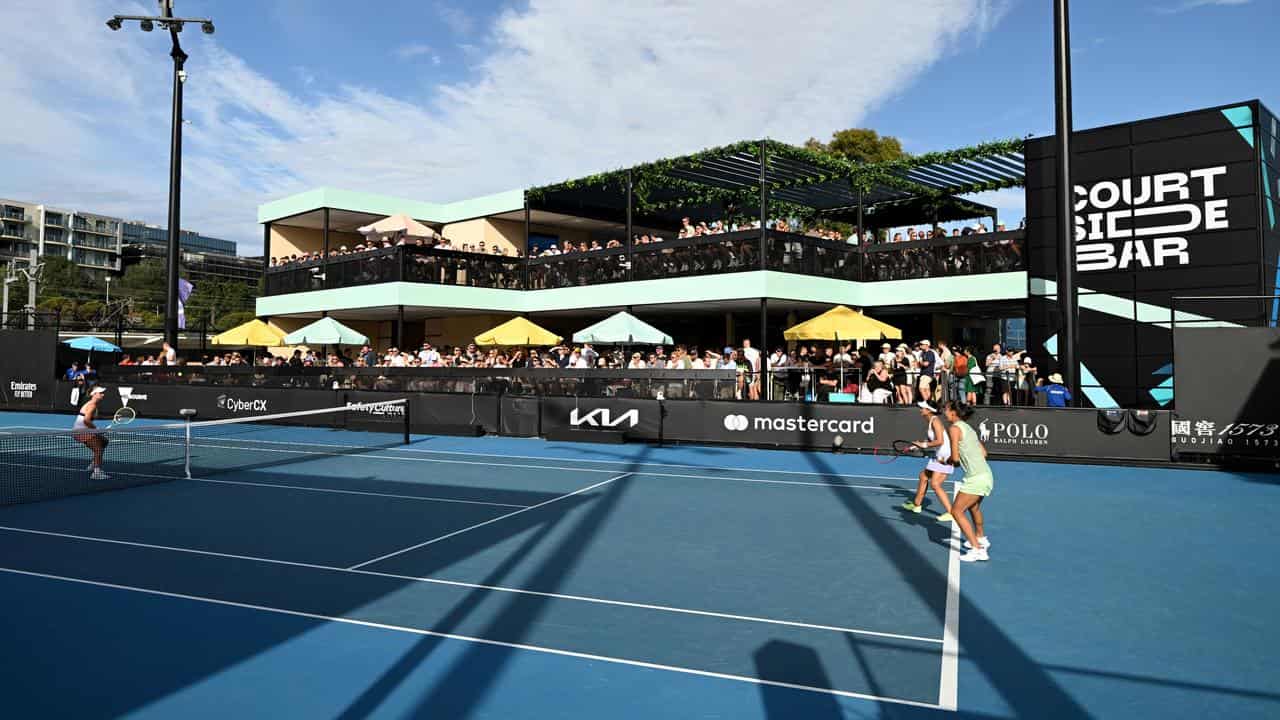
(552, 382)
(706, 255)
(408, 263)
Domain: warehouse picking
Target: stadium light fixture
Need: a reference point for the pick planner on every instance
(206, 27)
(114, 23)
(146, 25)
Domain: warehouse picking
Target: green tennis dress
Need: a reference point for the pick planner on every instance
(978, 479)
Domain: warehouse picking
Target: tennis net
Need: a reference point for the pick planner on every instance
(38, 466)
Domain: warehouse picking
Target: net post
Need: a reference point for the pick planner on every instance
(187, 414)
(407, 419)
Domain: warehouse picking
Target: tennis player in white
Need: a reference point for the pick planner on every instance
(939, 467)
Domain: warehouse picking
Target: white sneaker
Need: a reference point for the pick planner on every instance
(99, 475)
(984, 542)
(974, 555)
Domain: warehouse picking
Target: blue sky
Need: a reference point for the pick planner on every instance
(440, 101)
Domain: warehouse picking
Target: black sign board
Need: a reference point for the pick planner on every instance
(27, 367)
(1228, 388)
(1163, 207)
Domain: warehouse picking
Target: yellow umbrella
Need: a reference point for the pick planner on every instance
(841, 323)
(516, 332)
(254, 333)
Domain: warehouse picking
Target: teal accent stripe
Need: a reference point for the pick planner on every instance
(1089, 385)
(1271, 202)
(1239, 116)
(1163, 393)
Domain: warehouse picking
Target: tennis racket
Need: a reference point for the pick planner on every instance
(899, 448)
(123, 416)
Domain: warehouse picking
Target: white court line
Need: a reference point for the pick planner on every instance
(302, 488)
(426, 498)
(948, 685)
(482, 641)
(475, 586)
(569, 460)
(373, 455)
(490, 521)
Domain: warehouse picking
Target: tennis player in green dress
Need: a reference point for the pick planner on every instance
(978, 482)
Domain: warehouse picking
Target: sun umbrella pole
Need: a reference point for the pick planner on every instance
(840, 360)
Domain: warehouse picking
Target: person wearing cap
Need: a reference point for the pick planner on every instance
(1056, 394)
(88, 435)
(939, 467)
(901, 369)
(928, 360)
(886, 354)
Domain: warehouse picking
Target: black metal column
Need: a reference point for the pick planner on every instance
(399, 338)
(528, 251)
(324, 259)
(1066, 281)
(766, 383)
(266, 258)
(175, 197)
(764, 205)
(630, 227)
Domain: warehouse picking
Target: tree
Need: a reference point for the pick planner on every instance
(859, 145)
(232, 319)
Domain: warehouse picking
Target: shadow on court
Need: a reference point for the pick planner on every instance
(1025, 685)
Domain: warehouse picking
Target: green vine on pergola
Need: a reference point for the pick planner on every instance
(652, 176)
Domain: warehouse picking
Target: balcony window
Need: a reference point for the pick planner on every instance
(54, 219)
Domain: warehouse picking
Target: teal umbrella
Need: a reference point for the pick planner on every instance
(622, 329)
(325, 331)
(92, 344)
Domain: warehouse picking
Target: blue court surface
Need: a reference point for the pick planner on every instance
(510, 578)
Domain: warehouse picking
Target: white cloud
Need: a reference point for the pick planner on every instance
(560, 88)
(413, 50)
(1193, 4)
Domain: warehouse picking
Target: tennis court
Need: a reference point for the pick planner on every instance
(335, 573)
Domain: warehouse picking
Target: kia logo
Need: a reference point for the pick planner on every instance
(735, 423)
(602, 417)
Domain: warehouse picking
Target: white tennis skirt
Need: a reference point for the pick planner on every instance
(936, 465)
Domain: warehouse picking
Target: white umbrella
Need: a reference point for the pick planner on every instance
(398, 225)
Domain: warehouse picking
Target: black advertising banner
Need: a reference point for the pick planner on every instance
(27, 368)
(1007, 432)
(1162, 207)
(790, 424)
(1227, 387)
(519, 416)
(637, 418)
(451, 409)
(1066, 433)
(210, 403)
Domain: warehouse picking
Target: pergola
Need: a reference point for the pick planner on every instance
(763, 176)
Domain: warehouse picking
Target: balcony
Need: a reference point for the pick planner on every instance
(701, 256)
(15, 214)
(407, 263)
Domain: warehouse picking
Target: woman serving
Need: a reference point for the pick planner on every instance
(92, 439)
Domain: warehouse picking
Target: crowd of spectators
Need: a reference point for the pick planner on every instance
(439, 243)
(904, 374)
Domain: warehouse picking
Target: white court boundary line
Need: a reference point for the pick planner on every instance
(948, 683)
(562, 459)
(490, 521)
(374, 456)
(478, 640)
(476, 586)
(303, 488)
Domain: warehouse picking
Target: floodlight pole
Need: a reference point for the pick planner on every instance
(175, 183)
(174, 25)
(1066, 281)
